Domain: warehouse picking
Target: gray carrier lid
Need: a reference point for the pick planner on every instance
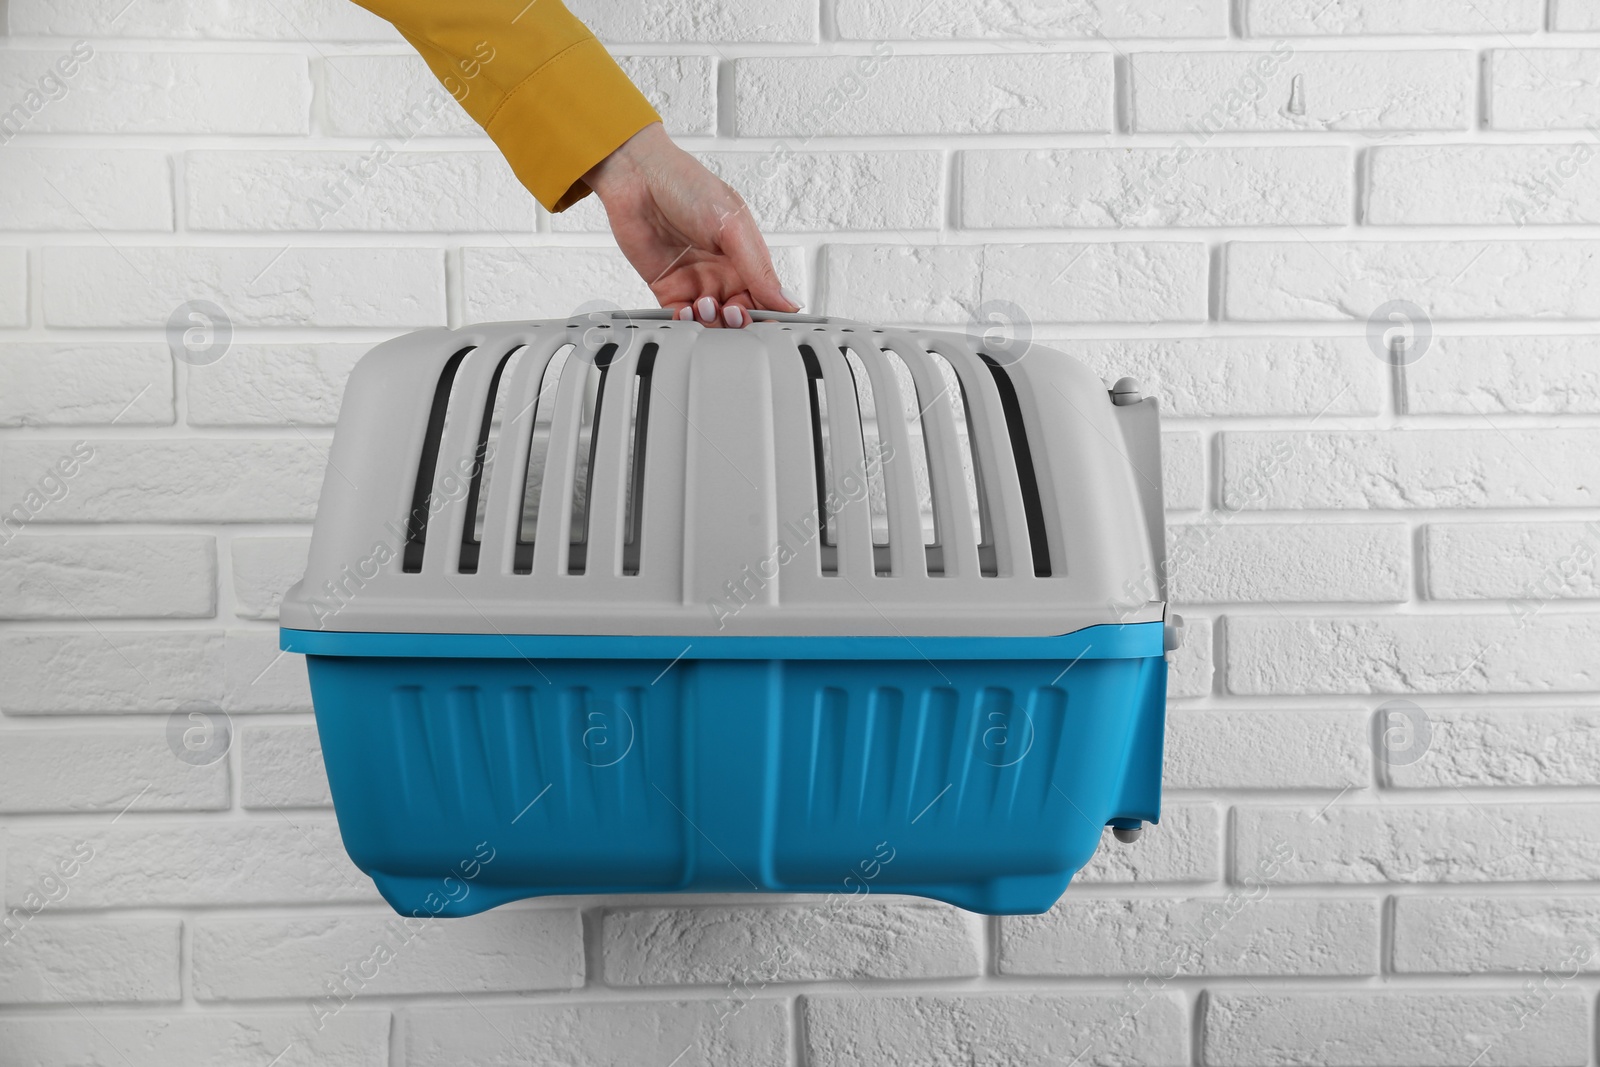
(629, 474)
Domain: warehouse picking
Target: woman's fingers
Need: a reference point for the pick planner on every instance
(733, 313)
(721, 304)
(742, 242)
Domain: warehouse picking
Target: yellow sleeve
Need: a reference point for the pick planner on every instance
(534, 77)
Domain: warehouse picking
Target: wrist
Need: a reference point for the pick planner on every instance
(626, 162)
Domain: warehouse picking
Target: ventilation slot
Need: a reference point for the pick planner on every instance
(1032, 506)
(633, 513)
(913, 408)
(594, 394)
(971, 469)
(542, 411)
(427, 464)
(498, 405)
(872, 459)
(472, 531)
(822, 460)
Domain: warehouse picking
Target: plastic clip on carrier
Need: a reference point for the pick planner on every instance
(624, 604)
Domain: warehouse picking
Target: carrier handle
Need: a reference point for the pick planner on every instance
(755, 313)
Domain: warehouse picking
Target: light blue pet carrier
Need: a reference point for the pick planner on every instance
(626, 604)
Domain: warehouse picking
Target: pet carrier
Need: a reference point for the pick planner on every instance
(625, 604)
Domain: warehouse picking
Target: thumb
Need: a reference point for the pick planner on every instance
(742, 241)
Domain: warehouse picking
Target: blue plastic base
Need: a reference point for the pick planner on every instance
(471, 770)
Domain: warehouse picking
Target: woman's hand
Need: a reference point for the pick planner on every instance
(686, 232)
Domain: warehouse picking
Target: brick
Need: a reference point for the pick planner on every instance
(1481, 747)
(1411, 654)
(281, 767)
(1241, 375)
(905, 20)
(1574, 16)
(1201, 93)
(78, 189)
(398, 96)
(104, 769)
(51, 961)
(1542, 88)
(816, 191)
(283, 20)
(1183, 470)
(1309, 18)
(272, 385)
(1483, 184)
(1475, 468)
(13, 287)
(728, 1032)
(530, 283)
(115, 576)
(683, 89)
(1270, 281)
(1393, 843)
(1178, 186)
(756, 946)
(354, 1038)
(385, 955)
(1303, 748)
(1247, 933)
(64, 384)
(386, 287)
(1189, 668)
(268, 860)
(1516, 375)
(184, 480)
(377, 189)
(259, 676)
(63, 671)
(1482, 935)
(988, 1031)
(1395, 1028)
(1233, 562)
(522, 283)
(1185, 847)
(160, 92)
(884, 94)
(1516, 561)
(836, 191)
(904, 283)
(1143, 282)
(390, 96)
(712, 21)
(263, 570)
(115, 671)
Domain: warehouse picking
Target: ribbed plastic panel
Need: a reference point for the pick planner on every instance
(988, 781)
(650, 476)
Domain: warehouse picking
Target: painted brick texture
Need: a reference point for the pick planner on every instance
(1353, 248)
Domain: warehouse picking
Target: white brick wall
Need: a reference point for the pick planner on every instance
(1284, 89)
(1215, 197)
(84, 189)
(167, 92)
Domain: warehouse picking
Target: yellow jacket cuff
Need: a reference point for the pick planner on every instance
(536, 79)
(564, 118)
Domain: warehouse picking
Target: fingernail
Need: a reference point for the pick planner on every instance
(733, 315)
(787, 295)
(706, 308)
(684, 313)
